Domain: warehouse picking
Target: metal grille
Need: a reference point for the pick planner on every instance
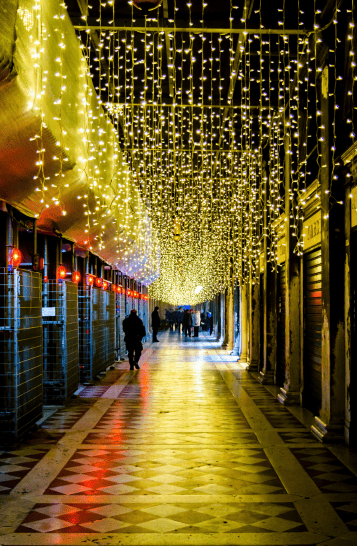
(121, 331)
(96, 331)
(21, 351)
(60, 341)
(144, 317)
(119, 334)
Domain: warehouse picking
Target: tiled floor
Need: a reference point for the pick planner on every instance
(190, 450)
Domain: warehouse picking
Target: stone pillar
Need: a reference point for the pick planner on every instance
(350, 159)
(329, 426)
(229, 320)
(221, 316)
(290, 392)
(266, 375)
(244, 325)
(237, 325)
(254, 327)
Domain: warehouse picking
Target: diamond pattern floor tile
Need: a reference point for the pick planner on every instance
(15, 465)
(171, 452)
(337, 480)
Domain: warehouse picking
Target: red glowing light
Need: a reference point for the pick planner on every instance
(90, 280)
(41, 264)
(128, 292)
(61, 272)
(119, 289)
(45, 279)
(16, 257)
(98, 282)
(105, 285)
(147, 5)
(114, 287)
(76, 276)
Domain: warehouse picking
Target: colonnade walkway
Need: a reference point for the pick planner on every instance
(190, 450)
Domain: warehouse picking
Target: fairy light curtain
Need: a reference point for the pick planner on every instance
(205, 120)
(189, 129)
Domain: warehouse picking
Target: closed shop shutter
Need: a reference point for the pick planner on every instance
(353, 313)
(280, 354)
(312, 331)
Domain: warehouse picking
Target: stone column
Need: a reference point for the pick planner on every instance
(229, 320)
(237, 325)
(244, 325)
(266, 375)
(221, 316)
(329, 426)
(254, 327)
(350, 160)
(290, 392)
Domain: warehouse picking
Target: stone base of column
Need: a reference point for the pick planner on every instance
(252, 366)
(227, 346)
(266, 377)
(328, 433)
(350, 433)
(289, 398)
(243, 358)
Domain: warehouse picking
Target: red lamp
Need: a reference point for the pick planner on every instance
(61, 272)
(16, 257)
(119, 289)
(98, 282)
(105, 285)
(90, 280)
(114, 288)
(128, 293)
(76, 276)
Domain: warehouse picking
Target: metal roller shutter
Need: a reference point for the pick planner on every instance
(261, 317)
(312, 331)
(280, 353)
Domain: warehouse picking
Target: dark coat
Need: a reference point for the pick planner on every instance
(187, 319)
(134, 330)
(155, 319)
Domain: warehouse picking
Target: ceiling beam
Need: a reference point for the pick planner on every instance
(92, 24)
(179, 105)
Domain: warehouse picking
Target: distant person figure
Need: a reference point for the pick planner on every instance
(196, 321)
(179, 319)
(155, 322)
(210, 322)
(134, 331)
(187, 323)
(171, 319)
